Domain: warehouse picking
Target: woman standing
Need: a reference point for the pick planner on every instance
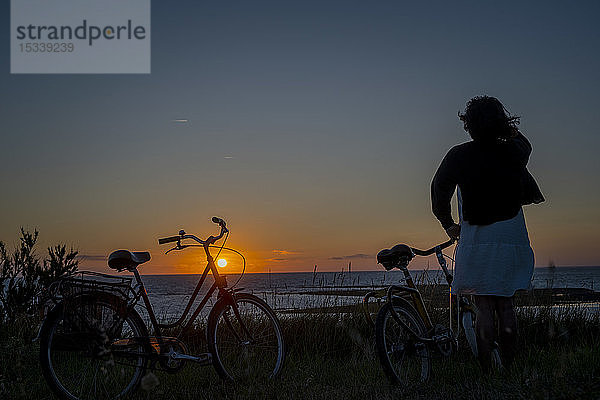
(493, 257)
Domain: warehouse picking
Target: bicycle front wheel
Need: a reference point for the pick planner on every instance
(405, 360)
(468, 323)
(247, 344)
(77, 348)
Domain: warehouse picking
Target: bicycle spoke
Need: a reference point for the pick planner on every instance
(95, 381)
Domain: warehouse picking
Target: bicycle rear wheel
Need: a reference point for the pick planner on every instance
(248, 346)
(404, 359)
(77, 340)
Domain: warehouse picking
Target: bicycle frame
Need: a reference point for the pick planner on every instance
(220, 284)
(418, 304)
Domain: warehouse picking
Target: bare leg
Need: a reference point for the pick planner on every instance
(484, 327)
(507, 322)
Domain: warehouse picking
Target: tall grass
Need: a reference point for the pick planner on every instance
(331, 355)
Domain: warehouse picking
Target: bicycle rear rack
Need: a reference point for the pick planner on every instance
(84, 282)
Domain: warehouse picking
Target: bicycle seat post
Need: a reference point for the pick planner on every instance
(407, 276)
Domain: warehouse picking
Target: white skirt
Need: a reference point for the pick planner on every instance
(495, 259)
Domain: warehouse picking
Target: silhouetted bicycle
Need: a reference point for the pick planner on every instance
(406, 338)
(95, 345)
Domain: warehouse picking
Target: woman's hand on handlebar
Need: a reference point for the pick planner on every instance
(453, 231)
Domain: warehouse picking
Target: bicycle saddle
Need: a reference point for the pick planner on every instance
(125, 259)
(398, 256)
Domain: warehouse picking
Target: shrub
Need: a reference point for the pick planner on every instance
(25, 276)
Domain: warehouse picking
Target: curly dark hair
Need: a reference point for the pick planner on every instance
(487, 120)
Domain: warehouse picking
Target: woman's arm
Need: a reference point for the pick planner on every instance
(442, 188)
(521, 148)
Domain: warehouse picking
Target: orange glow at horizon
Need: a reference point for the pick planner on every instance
(290, 244)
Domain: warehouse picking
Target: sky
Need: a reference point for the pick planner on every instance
(314, 129)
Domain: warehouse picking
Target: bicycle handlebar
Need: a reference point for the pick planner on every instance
(209, 241)
(169, 239)
(433, 249)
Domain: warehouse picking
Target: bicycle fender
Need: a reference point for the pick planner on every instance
(467, 319)
(402, 302)
(221, 300)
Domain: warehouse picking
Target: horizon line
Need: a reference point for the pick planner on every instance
(344, 271)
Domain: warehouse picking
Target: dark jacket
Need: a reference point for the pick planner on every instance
(493, 179)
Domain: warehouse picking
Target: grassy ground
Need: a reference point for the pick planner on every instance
(331, 356)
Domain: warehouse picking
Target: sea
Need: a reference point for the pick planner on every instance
(169, 294)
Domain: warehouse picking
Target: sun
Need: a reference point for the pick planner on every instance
(222, 262)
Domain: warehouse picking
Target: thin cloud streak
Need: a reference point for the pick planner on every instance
(358, 256)
(276, 260)
(93, 257)
(285, 252)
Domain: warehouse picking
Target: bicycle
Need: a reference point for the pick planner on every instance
(406, 339)
(94, 344)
